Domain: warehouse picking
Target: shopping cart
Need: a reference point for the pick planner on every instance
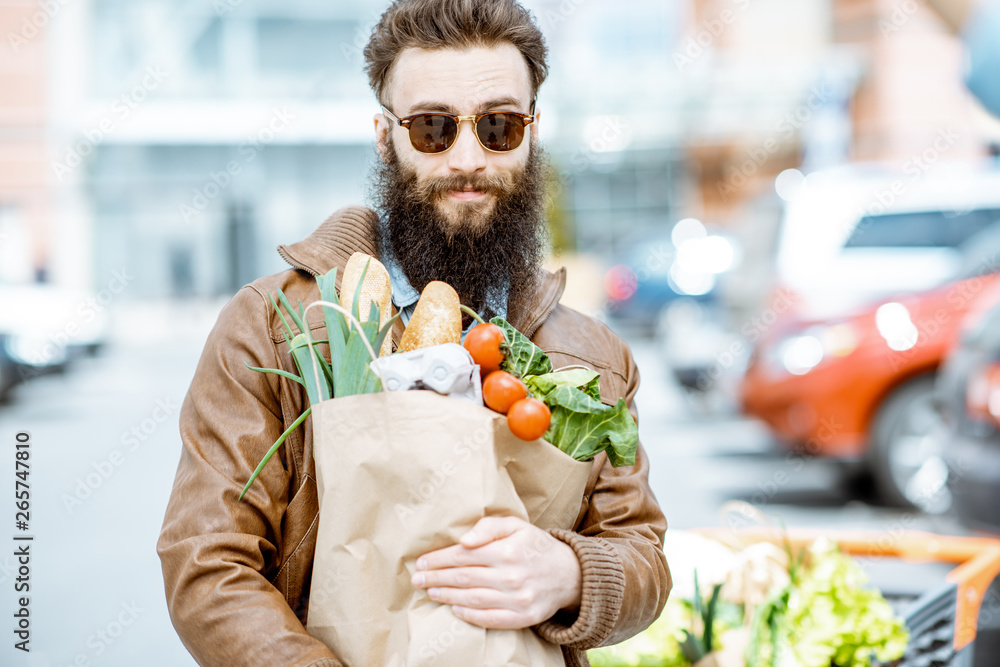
(943, 620)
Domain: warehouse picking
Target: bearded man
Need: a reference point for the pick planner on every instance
(458, 193)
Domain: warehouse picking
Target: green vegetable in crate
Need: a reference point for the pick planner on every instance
(697, 645)
(822, 615)
(685, 632)
(826, 616)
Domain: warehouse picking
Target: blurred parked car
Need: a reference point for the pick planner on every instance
(44, 327)
(654, 271)
(703, 353)
(858, 234)
(861, 387)
(968, 397)
(967, 394)
(9, 376)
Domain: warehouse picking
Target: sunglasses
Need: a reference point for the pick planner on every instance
(497, 131)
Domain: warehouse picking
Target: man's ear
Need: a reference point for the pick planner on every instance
(534, 125)
(382, 128)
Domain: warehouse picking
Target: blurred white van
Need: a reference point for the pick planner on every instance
(863, 232)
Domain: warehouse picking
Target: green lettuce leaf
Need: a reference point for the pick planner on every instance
(586, 380)
(583, 427)
(524, 357)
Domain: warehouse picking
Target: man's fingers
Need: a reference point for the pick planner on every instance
(474, 598)
(470, 550)
(491, 528)
(496, 619)
(453, 556)
(455, 577)
(470, 577)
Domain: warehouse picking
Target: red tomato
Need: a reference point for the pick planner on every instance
(501, 390)
(529, 419)
(483, 342)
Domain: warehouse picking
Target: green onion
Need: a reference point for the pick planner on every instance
(351, 349)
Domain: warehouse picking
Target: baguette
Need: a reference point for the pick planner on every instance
(377, 288)
(437, 319)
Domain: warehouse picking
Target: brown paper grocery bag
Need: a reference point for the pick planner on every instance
(404, 473)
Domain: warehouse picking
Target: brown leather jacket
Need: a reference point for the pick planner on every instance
(237, 573)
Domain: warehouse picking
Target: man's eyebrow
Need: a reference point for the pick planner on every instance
(498, 102)
(481, 108)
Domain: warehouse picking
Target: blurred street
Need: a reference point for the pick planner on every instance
(109, 606)
(104, 450)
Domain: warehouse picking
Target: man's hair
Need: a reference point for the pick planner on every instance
(438, 24)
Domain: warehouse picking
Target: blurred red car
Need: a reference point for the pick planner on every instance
(861, 387)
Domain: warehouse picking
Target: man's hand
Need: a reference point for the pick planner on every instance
(504, 574)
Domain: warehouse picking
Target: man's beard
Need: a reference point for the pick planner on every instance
(485, 249)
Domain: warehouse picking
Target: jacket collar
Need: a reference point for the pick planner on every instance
(352, 229)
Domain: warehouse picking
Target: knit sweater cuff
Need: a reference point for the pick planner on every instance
(602, 592)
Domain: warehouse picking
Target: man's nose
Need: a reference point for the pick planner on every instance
(467, 155)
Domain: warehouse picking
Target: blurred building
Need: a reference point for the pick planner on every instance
(177, 141)
(613, 116)
(912, 88)
(182, 141)
(808, 85)
(215, 131)
(817, 83)
(186, 140)
(25, 198)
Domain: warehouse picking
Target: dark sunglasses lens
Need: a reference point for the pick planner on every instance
(500, 131)
(433, 133)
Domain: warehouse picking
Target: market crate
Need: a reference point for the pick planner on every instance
(943, 620)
